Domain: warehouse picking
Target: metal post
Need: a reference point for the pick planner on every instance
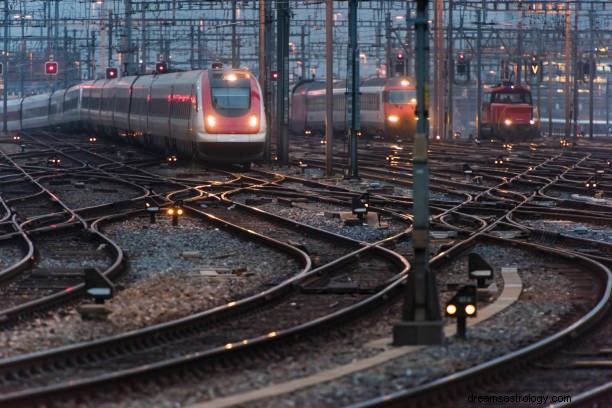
(438, 122)
(282, 97)
(5, 69)
(478, 72)
(450, 72)
(575, 82)
(568, 43)
(129, 45)
(592, 71)
(353, 90)
(329, 65)
(421, 322)
(266, 9)
(234, 55)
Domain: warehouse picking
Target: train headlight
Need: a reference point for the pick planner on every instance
(532, 122)
(211, 121)
(253, 122)
(507, 122)
(230, 77)
(451, 309)
(393, 118)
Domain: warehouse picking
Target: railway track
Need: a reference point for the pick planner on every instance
(349, 275)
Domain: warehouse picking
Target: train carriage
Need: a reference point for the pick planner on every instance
(13, 119)
(387, 107)
(35, 112)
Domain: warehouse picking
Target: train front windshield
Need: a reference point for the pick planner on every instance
(231, 98)
(402, 96)
(511, 97)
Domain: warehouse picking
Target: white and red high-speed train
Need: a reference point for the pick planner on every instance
(388, 107)
(214, 115)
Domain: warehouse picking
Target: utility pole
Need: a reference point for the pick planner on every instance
(265, 59)
(5, 69)
(575, 71)
(353, 91)
(329, 66)
(450, 72)
(438, 69)
(282, 96)
(235, 62)
(568, 43)
(592, 70)
(478, 70)
(421, 322)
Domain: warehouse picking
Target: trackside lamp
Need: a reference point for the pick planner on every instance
(479, 269)
(152, 209)
(175, 211)
(462, 306)
(360, 205)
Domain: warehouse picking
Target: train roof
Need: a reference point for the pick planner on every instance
(393, 81)
(509, 88)
(308, 85)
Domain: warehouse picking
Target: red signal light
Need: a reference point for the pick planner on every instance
(461, 56)
(161, 68)
(400, 56)
(274, 75)
(111, 73)
(51, 67)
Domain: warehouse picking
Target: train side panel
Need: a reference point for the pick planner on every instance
(13, 117)
(35, 112)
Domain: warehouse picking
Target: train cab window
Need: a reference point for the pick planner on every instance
(402, 96)
(231, 98)
(511, 97)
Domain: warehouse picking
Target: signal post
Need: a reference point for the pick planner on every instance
(421, 321)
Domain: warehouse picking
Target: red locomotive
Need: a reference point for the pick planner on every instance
(387, 107)
(508, 114)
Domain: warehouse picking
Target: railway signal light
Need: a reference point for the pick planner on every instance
(479, 269)
(161, 68)
(462, 306)
(461, 64)
(51, 67)
(360, 205)
(400, 66)
(152, 209)
(111, 73)
(274, 75)
(586, 71)
(175, 211)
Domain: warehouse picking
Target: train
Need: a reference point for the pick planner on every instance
(214, 115)
(387, 108)
(508, 114)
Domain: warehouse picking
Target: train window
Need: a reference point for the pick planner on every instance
(231, 98)
(511, 97)
(402, 96)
